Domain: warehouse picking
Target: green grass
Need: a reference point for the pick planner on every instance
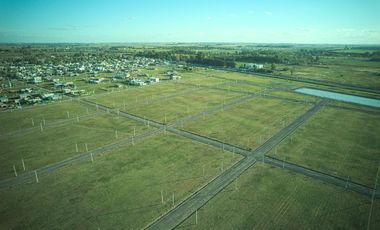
(181, 106)
(355, 74)
(135, 96)
(245, 124)
(120, 190)
(22, 118)
(339, 142)
(265, 197)
(58, 143)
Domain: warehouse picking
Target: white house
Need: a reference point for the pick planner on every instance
(253, 66)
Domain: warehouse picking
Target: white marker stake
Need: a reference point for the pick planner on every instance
(68, 114)
(32, 122)
(92, 158)
(23, 164)
(76, 147)
(173, 199)
(42, 129)
(162, 197)
(196, 217)
(14, 169)
(86, 147)
(133, 143)
(35, 173)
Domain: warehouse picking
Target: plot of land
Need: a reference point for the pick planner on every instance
(339, 142)
(40, 148)
(181, 106)
(136, 96)
(120, 190)
(42, 114)
(248, 124)
(265, 197)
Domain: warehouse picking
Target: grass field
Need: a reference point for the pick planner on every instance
(23, 118)
(249, 124)
(120, 190)
(40, 148)
(174, 108)
(362, 73)
(265, 197)
(339, 142)
(136, 96)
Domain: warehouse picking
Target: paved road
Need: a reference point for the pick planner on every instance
(171, 127)
(49, 124)
(181, 212)
(323, 177)
(29, 176)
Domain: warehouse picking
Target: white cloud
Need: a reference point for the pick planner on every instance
(268, 13)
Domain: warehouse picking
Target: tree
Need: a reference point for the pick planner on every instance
(272, 66)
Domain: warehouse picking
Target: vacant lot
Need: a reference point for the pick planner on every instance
(120, 190)
(46, 114)
(339, 142)
(135, 96)
(39, 148)
(248, 124)
(178, 107)
(265, 197)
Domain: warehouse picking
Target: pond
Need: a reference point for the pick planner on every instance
(340, 97)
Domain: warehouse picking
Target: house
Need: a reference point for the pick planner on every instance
(95, 81)
(26, 90)
(136, 82)
(175, 77)
(154, 79)
(36, 80)
(4, 99)
(253, 66)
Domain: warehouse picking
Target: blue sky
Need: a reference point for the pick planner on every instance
(268, 21)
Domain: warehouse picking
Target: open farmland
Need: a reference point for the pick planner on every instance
(45, 114)
(176, 143)
(39, 148)
(119, 190)
(265, 197)
(339, 142)
(249, 124)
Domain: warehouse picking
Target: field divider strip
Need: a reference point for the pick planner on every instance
(52, 124)
(29, 176)
(340, 182)
(180, 213)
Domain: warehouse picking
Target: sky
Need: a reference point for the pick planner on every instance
(249, 21)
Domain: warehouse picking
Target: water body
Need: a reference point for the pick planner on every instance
(340, 97)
